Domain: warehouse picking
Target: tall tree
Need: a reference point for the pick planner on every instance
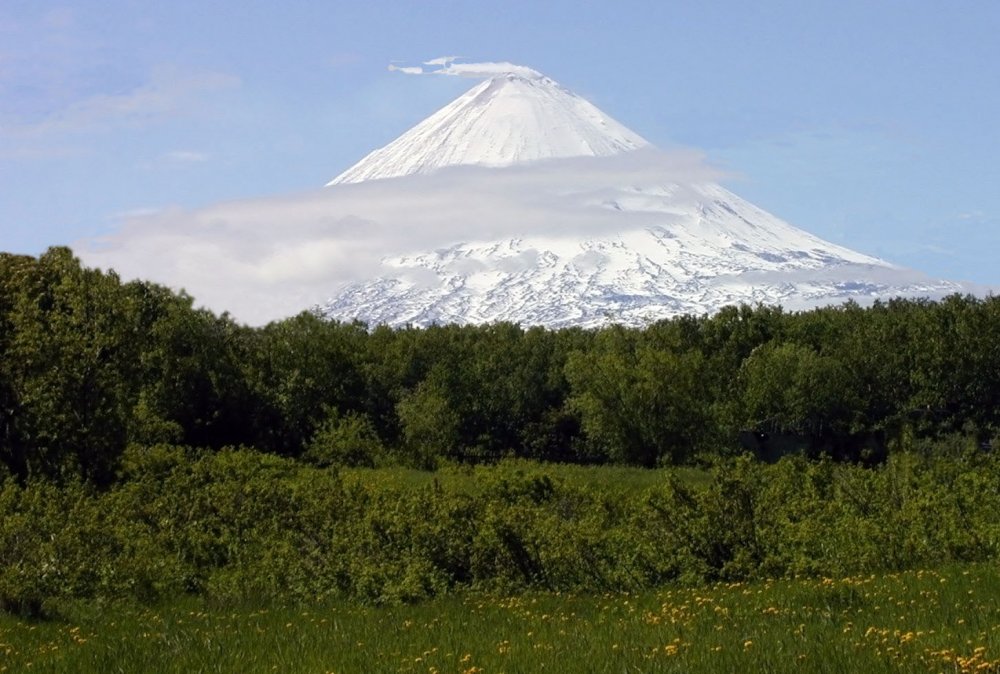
(789, 387)
(639, 403)
(70, 364)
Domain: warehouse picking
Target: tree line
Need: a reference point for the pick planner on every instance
(90, 365)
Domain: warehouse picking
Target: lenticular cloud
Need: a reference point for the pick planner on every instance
(446, 65)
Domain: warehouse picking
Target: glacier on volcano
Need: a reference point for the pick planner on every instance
(676, 246)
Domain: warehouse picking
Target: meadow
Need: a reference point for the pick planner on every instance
(179, 492)
(945, 620)
(205, 565)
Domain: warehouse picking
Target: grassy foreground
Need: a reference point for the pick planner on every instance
(940, 621)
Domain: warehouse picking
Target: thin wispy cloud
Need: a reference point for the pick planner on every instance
(167, 93)
(936, 249)
(186, 157)
(46, 61)
(134, 213)
(441, 60)
(408, 70)
(77, 127)
(448, 65)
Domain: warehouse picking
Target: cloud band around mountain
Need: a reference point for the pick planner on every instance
(267, 258)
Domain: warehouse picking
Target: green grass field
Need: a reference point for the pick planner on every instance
(938, 621)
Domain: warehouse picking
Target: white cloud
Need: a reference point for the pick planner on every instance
(441, 60)
(445, 65)
(409, 70)
(264, 259)
(488, 69)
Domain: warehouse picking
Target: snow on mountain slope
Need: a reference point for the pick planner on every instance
(712, 249)
(677, 247)
(505, 120)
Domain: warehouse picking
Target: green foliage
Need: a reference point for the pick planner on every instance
(68, 371)
(192, 387)
(638, 403)
(790, 387)
(150, 450)
(348, 440)
(238, 524)
(297, 369)
(89, 365)
(430, 425)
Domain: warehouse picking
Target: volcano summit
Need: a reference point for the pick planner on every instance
(508, 119)
(666, 245)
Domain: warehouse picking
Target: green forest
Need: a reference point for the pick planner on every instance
(90, 366)
(153, 450)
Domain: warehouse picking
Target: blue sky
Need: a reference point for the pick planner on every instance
(873, 124)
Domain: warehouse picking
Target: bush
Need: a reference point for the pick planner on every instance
(348, 440)
(238, 525)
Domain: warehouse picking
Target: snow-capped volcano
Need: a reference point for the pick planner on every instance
(514, 117)
(664, 245)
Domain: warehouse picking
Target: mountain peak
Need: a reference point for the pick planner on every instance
(516, 115)
(640, 248)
